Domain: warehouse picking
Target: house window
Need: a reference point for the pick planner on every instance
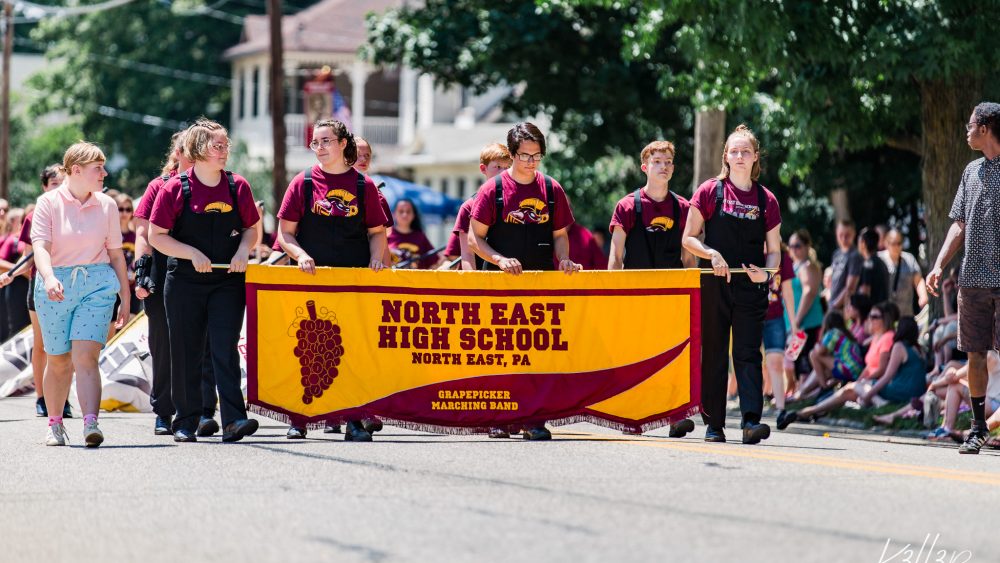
(461, 188)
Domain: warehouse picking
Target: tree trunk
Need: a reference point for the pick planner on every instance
(279, 175)
(944, 108)
(709, 138)
(840, 202)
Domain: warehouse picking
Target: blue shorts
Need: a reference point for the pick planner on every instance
(774, 336)
(89, 293)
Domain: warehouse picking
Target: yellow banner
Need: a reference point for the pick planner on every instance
(473, 350)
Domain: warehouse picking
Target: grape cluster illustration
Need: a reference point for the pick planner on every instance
(319, 351)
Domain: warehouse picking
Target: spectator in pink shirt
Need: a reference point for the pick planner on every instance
(78, 252)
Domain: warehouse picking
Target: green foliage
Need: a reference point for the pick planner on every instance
(133, 109)
(565, 62)
(31, 152)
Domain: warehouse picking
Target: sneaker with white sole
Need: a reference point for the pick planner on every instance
(56, 436)
(92, 435)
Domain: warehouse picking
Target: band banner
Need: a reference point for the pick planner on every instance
(461, 352)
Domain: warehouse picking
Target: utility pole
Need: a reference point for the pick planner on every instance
(277, 79)
(8, 48)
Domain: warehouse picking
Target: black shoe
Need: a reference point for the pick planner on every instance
(372, 425)
(331, 428)
(162, 426)
(296, 433)
(67, 412)
(755, 432)
(714, 435)
(681, 429)
(235, 431)
(785, 418)
(184, 436)
(355, 432)
(499, 433)
(40, 409)
(537, 433)
(207, 426)
(975, 440)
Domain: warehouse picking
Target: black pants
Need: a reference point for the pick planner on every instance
(17, 305)
(739, 306)
(195, 309)
(4, 324)
(159, 350)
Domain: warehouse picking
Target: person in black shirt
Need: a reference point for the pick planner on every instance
(874, 281)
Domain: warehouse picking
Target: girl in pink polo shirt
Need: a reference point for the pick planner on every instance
(81, 266)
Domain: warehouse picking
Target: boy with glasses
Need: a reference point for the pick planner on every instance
(518, 219)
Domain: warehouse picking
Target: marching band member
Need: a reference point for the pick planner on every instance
(519, 218)
(206, 215)
(647, 225)
(738, 216)
(331, 216)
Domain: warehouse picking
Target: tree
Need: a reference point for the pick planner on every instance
(134, 74)
(565, 62)
(613, 75)
(846, 76)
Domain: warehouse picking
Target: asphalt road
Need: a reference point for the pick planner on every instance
(589, 495)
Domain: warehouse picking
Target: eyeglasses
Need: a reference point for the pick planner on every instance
(125, 210)
(969, 127)
(525, 157)
(221, 147)
(321, 143)
(875, 316)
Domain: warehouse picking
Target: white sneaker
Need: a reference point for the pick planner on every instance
(92, 435)
(56, 436)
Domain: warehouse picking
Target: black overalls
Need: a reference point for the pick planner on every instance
(530, 243)
(653, 250)
(159, 346)
(739, 306)
(334, 240)
(200, 304)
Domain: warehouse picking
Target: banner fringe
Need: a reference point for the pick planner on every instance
(626, 427)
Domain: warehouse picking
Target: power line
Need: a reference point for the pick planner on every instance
(159, 70)
(36, 12)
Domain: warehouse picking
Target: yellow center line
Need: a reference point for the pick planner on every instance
(870, 466)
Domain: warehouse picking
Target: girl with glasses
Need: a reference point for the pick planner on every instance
(331, 216)
(206, 216)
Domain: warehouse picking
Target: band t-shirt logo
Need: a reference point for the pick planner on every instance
(529, 210)
(740, 210)
(337, 203)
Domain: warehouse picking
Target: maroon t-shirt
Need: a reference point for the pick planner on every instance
(334, 195)
(775, 306)
(404, 246)
(461, 228)
(170, 200)
(522, 203)
(385, 209)
(736, 203)
(583, 249)
(656, 215)
(11, 248)
(145, 207)
(25, 235)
